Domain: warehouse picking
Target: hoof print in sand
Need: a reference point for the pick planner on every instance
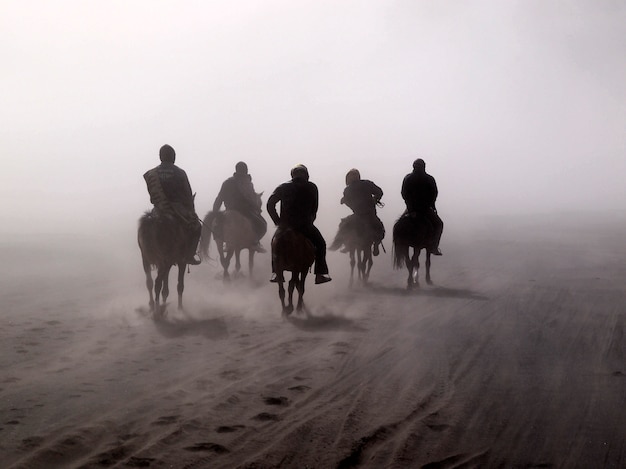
(265, 417)
(214, 447)
(281, 401)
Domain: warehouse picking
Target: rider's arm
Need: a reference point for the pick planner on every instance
(377, 192)
(219, 199)
(271, 207)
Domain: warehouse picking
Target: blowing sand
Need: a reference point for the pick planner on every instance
(514, 358)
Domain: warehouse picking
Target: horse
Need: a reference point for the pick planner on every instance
(291, 252)
(417, 233)
(162, 241)
(233, 232)
(357, 240)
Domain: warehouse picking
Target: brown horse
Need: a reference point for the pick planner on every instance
(291, 252)
(417, 233)
(357, 239)
(233, 232)
(162, 241)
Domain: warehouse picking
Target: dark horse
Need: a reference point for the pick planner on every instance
(291, 252)
(233, 232)
(162, 241)
(417, 233)
(357, 239)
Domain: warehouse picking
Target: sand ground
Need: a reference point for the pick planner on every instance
(515, 357)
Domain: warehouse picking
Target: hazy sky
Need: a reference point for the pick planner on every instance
(516, 106)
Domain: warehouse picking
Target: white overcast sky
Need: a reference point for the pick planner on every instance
(516, 106)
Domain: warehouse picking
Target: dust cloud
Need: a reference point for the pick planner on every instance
(513, 357)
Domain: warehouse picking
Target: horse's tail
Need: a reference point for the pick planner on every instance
(338, 241)
(205, 238)
(400, 246)
(342, 234)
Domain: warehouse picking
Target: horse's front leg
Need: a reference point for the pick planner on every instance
(181, 284)
(428, 280)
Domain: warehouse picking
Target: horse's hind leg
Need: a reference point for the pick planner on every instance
(162, 285)
(368, 264)
(250, 261)
(292, 285)
(300, 286)
(352, 262)
(409, 266)
(181, 284)
(281, 295)
(149, 283)
(237, 263)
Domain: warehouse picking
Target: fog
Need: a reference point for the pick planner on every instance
(516, 107)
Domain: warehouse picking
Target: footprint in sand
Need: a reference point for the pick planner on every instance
(281, 401)
(214, 447)
(265, 417)
(300, 388)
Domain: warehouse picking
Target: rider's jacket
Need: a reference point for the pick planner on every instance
(419, 191)
(298, 203)
(361, 196)
(237, 193)
(174, 184)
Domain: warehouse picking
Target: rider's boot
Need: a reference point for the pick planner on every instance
(322, 278)
(276, 278)
(258, 248)
(376, 251)
(436, 252)
(193, 260)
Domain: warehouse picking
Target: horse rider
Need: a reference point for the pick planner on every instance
(419, 191)
(299, 200)
(237, 193)
(362, 196)
(170, 193)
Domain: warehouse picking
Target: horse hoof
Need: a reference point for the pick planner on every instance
(288, 310)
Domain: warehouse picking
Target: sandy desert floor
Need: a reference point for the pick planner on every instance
(515, 357)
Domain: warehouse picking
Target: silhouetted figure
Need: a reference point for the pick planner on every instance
(362, 196)
(170, 193)
(419, 191)
(298, 208)
(237, 193)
